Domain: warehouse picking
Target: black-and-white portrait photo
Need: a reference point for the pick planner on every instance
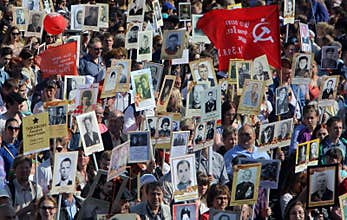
(245, 184)
(71, 85)
(252, 95)
(314, 151)
(261, 69)
(144, 51)
(184, 11)
(282, 101)
(156, 73)
(302, 66)
(132, 34)
(185, 211)
(47, 6)
(91, 15)
(166, 90)
(322, 185)
(267, 133)
(135, 7)
(209, 131)
(152, 125)
(31, 5)
(329, 57)
(180, 139)
(198, 35)
(301, 154)
(243, 73)
(183, 172)
(90, 133)
(60, 116)
(140, 149)
(195, 96)
(199, 134)
(283, 130)
(103, 15)
(173, 44)
(20, 16)
(164, 127)
(35, 22)
(328, 88)
(211, 104)
(157, 12)
(223, 215)
(289, 7)
(65, 168)
(76, 17)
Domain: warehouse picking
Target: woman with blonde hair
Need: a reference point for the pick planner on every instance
(175, 103)
(46, 208)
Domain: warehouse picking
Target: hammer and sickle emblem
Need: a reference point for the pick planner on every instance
(262, 35)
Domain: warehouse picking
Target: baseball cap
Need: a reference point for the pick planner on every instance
(147, 178)
(168, 5)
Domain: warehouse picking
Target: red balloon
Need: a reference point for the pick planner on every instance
(54, 23)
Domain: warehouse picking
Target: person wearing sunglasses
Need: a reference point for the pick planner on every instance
(92, 63)
(13, 40)
(10, 143)
(14, 106)
(46, 208)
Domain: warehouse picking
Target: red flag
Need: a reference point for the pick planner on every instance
(60, 60)
(244, 33)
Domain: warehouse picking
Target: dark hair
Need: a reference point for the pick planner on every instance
(26, 54)
(153, 185)
(87, 118)
(20, 160)
(165, 120)
(290, 205)
(215, 191)
(182, 162)
(226, 106)
(185, 211)
(66, 160)
(174, 35)
(5, 51)
(8, 121)
(229, 130)
(93, 41)
(310, 108)
(332, 120)
(87, 94)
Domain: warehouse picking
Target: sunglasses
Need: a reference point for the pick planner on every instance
(47, 207)
(15, 33)
(98, 49)
(13, 128)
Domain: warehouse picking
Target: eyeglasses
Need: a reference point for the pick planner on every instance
(13, 128)
(15, 33)
(98, 49)
(120, 31)
(50, 36)
(47, 207)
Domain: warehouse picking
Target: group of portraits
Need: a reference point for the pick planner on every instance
(89, 17)
(275, 133)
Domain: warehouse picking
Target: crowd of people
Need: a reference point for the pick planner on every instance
(149, 192)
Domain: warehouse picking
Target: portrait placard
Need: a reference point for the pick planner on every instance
(156, 73)
(282, 101)
(35, 24)
(246, 183)
(267, 135)
(179, 143)
(330, 54)
(157, 13)
(194, 97)
(86, 98)
(77, 39)
(71, 85)
(203, 70)
(306, 155)
(164, 130)
(35, 133)
(119, 160)
(198, 35)
(289, 11)
(151, 126)
(251, 97)
(305, 41)
(76, 21)
(90, 133)
(144, 51)
(270, 172)
(223, 215)
(232, 71)
(47, 6)
(91, 17)
(103, 15)
(328, 90)
(183, 175)
(199, 136)
(124, 69)
(185, 211)
(261, 70)
(20, 17)
(211, 104)
(129, 216)
(322, 185)
(173, 44)
(64, 172)
(183, 60)
(343, 206)
(140, 147)
(31, 5)
(136, 10)
(184, 11)
(57, 118)
(301, 68)
(243, 72)
(141, 82)
(165, 93)
(131, 37)
(283, 132)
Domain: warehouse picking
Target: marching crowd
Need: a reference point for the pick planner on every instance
(26, 180)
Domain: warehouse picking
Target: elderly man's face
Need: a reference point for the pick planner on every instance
(321, 183)
(246, 137)
(36, 20)
(65, 169)
(203, 72)
(258, 68)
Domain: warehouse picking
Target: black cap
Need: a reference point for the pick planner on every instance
(16, 97)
